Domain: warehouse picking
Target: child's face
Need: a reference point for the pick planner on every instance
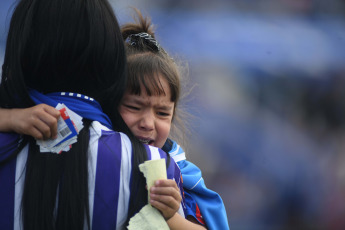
(148, 117)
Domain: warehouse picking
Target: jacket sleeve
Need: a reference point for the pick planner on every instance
(209, 202)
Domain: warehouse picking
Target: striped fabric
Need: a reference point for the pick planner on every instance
(110, 165)
(176, 152)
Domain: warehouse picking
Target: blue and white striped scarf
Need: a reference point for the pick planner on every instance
(84, 106)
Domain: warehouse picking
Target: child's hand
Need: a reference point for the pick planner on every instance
(39, 121)
(165, 196)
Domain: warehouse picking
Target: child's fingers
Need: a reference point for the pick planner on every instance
(35, 133)
(49, 115)
(39, 121)
(169, 201)
(52, 111)
(51, 121)
(165, 196)
(166, 187)
(167, 211)
(166, 191)
(166, 183)
(43, 128)
(166, 204)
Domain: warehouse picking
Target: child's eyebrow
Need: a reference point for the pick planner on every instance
(165, 107)
(141, 101)
(138, 100)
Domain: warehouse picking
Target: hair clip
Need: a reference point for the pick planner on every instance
(150, 41)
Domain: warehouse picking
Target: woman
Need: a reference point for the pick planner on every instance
(70, 46)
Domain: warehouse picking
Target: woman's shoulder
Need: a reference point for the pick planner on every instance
(108, 139)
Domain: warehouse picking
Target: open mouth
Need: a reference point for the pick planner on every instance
(145, 141)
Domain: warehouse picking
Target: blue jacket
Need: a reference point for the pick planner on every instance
(209, 202)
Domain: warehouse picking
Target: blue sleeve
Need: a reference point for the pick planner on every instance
(210, 203)
(8, 144)
(192, 208)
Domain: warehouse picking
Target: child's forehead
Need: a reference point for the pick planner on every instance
(150, 90)
(151, 84)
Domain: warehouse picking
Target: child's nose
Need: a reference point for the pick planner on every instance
(147, 121)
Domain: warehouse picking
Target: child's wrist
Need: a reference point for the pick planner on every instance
(7, 123)
(169, 219)
(12, 120)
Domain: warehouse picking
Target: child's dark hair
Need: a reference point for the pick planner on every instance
(146, 62)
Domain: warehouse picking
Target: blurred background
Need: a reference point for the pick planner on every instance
(268, 102)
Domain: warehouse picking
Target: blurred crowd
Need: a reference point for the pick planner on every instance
(268, 103)
(280, 148)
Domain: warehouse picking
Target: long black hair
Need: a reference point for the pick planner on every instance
(73, 46)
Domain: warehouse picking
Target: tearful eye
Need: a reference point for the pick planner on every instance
(163, 114)
(132, 107)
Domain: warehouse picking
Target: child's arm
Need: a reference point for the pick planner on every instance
(39, 121)
(178, 222)
(165, 196)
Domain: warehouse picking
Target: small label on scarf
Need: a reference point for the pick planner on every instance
(68, 127)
